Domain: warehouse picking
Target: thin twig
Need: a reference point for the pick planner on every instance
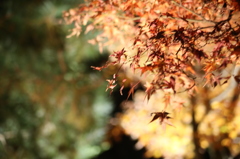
(187, 89)
(203, 19)
(189, 20)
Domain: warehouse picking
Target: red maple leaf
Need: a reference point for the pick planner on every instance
(163, 118)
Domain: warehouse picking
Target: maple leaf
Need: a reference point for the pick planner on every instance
(145, 69)
(111, 85)
(97, 68)
(119, 54)
(122, 87)
(170, 84)
(166, 121)
(178, 104)
(199, 54)
(149, 89)
(160, 115)
(102, 67)
(208, 78)
(131, 91)
(167, 99)
(159, 35)
(163, 118)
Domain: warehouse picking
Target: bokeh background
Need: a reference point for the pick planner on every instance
(53, 105)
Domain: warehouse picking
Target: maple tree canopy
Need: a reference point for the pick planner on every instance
(177, 49)
(175, 44)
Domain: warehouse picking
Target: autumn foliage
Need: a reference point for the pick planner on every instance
(171, 39)
(177, 46)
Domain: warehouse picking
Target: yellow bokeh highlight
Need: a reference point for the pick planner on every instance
(233, 134)
(177, 142)
(226, 142)
(204, 144)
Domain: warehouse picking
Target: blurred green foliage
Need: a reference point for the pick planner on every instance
(52, 104)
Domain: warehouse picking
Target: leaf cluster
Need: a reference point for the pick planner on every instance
(177, 39)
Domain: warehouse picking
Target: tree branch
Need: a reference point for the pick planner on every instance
(189, 20)
(203, 18)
